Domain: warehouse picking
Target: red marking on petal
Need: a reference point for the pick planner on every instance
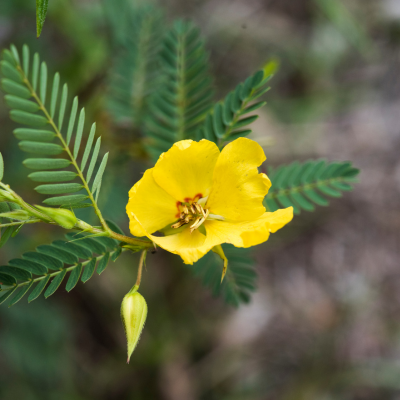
(178, 205)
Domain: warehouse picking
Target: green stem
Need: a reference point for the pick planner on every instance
(84, 227)
(29, 221)
(98, 258)
(141, 263)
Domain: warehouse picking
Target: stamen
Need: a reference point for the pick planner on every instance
(178, 224)
(199, 222)
(199, 208)
(193, 227)
(191, 213)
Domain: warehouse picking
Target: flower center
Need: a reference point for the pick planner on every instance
(191, 213)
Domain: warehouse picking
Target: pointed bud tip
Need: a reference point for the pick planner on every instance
(133, 314)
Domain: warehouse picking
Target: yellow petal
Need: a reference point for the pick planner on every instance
(186, 169)
(238, 189)
(187, 245)
(150, 207)
(246, 233)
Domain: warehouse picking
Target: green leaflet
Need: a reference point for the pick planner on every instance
(304, 185)
(47, 149)
(27, 118)
(99, 175)
(39, 288)
(19, 103)
(1, 167)
(59, 188)
(46, 163)
(41, 12)
(34, 134)
(65, 200)
(55, 283)
(103, 263)
(89, 270)
(54, 94)
(27, 96)
(53, 176)
(74, 278)
(20, 294)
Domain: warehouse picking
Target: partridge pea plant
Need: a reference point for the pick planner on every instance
(204, 198)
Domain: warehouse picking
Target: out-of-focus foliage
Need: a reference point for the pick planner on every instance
(135, 75)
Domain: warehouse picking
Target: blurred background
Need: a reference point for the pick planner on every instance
(325, 321)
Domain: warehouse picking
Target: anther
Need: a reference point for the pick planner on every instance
(199, 208)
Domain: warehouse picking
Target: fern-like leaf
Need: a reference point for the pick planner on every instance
(228, 117)
(305, 185)
(184, 97)
(77, 256)
(240, 277)
(26, 85)
(135, 73)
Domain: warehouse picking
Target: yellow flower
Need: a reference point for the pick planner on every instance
(199, 197)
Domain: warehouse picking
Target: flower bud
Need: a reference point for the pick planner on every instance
(63, 217)
(133, 314)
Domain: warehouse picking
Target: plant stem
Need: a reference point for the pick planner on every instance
(84, 227)
(141, 262)
(29, 221)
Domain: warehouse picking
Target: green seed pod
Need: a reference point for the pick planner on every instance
(133, 314)
(63, 217)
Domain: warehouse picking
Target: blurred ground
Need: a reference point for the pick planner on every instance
(324, 324)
